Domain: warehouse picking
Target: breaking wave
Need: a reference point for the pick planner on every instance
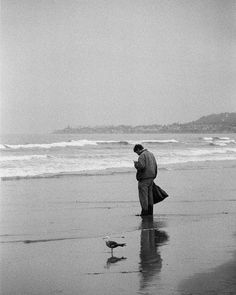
(79, 143)
(24, 158)
(98, 157)
(219, 141)
(46, 166)
(63, 144)
(160, 141)
(216, 138)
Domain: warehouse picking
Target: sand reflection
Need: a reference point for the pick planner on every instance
(150, 259)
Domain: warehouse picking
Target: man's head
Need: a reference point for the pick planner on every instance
(138, 149)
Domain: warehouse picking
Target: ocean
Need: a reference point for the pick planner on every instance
(57, 155)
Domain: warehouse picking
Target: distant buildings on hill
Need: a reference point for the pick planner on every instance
(214, 123)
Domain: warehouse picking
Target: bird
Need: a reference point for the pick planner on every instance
(112, 244)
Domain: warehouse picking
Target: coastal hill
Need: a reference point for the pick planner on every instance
(214, 123)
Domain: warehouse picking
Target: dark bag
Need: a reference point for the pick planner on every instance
(158, 194)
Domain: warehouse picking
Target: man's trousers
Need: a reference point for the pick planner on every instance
(146, 196)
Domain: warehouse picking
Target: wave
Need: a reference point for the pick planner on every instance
(59, 167)
(219, 141)
(214, 141)
(207, 138)
(19, 164)
(114, 142)
(72, 143)
(220, 138)
(216, 138)
(78, 173)
(218, 144)
(25, 158)
(164, 165)
(160, 141)
(73, 173)
(224, 142)
(79, 143)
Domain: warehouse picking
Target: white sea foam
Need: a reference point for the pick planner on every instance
(224, 142)
(79, 143)
(57, 166)
(24, 158)
(216, 138)
(3, 147)
(84, 156)
(73, 143)
(160, 141)
(219, 141)
(221, 138)
(45, 165)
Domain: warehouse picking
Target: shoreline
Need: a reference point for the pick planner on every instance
(188, 165)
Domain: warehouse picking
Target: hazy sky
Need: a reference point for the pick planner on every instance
(95, 62)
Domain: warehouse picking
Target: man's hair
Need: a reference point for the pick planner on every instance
(138, 147)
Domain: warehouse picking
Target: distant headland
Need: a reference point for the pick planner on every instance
(214, 123)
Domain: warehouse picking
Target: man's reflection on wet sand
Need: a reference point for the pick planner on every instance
(150, 258)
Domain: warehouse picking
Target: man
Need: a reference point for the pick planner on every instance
(146, 172)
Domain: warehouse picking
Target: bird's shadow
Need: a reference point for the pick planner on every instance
(111, 260)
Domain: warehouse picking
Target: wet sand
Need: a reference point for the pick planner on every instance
(52, 234)
(220, 280)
